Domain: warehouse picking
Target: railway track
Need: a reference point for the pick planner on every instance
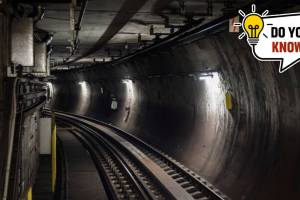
(132, 169)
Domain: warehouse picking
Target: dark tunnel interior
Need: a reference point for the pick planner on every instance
(173, 73)
(174, 99)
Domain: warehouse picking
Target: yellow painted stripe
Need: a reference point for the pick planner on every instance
(29, 194)
(228, 101)
(53, 153)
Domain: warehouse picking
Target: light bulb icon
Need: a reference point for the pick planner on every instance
(253, 25)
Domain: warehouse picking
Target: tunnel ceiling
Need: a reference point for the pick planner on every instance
(134, 35)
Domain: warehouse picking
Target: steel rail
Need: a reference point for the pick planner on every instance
(141, 177)
(191, 183)
(99, 163)
(162, 156)
(148, 192)
(98, 148)
(119, 159)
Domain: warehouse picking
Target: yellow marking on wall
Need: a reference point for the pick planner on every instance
(29, 194)
(53, 153)
(228, 101)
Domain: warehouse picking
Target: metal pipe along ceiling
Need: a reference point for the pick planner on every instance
(128, 9)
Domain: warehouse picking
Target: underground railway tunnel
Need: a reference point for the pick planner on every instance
(137, 99)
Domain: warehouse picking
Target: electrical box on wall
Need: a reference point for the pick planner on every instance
(21, 45)
(40, 60)
(22, 42)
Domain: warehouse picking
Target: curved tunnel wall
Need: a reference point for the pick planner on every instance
(165, 98)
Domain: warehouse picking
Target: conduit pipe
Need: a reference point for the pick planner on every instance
(12, 121)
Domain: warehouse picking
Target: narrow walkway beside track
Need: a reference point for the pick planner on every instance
(42, 186)
(83, 179)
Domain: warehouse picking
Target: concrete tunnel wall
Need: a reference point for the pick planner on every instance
(251, 152)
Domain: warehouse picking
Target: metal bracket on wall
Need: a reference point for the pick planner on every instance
(11, 71)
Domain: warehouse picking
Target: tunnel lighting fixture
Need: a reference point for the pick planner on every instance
(127, 81)
(130, 91)
(49, 84)
(129, 84)
(208, 75)
(212, 89)
(205, 77)
(84, 88)
(84, 97)
(82, 83)
(50, 87)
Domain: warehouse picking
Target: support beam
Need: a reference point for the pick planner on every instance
(78, 25)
